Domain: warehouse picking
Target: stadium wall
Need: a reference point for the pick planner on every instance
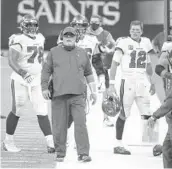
(54, 15)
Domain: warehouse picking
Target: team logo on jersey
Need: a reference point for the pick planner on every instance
(130, 47)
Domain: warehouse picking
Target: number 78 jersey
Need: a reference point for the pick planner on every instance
(135, 56)
(31, 53)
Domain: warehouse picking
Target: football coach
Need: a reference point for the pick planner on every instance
(71, 71)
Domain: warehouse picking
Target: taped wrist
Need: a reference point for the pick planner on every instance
(22, 73)
(159, 69)
(93, 87)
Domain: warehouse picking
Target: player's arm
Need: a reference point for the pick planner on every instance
(149, 69)
(89, 76)
(115, 63)
(111, 42)
(47, 71)
(160, 68)
(14, 54)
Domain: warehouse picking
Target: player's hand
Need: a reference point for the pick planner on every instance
(151, 122)
(28, 78)
(111, 90)
(93, 98)
(105, 49)
(152, 89)
(46, 94)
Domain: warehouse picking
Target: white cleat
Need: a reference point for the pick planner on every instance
(108, 123)
(8, 145)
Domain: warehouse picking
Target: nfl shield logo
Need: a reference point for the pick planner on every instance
(130, 47)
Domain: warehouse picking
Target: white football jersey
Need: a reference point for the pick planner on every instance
(31, 53)
(89, 43)
(135, 56)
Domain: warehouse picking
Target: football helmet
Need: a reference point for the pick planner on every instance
(29, 25)
(80, 23)
(111, 105)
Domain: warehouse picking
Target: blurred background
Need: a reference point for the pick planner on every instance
(54, 15)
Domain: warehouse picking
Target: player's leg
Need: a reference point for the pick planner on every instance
(19, 98)
(80, 128)
(60, 115)
(127, 95)
(106, 120)
(40, 106)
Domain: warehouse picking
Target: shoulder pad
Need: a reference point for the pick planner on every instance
(15, 39)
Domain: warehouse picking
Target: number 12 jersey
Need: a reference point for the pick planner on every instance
(135, 56)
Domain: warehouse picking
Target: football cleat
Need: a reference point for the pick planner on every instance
(157, 150)
(121, 150)
(59, 158)
(84, 158)
(8, 145)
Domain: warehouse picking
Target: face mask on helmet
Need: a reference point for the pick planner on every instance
(111, 106)
(80, 23)
(80, 28)
(29, 26)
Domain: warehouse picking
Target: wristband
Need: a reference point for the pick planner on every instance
(112, 82)
(155, 118)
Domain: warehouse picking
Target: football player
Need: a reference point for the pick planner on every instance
(25, 59)
(133, 53)
(106, 39)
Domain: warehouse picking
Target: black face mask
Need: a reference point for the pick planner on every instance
(69, 48)
(95, 26)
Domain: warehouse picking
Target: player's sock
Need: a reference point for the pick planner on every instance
(118, 143)
(119, 128)
(44, 124)
(11, 123)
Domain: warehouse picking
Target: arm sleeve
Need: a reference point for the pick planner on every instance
(47, 70)
(117, 57)
(14, 42)
(149, 46)
(120, 45)
(88, 69)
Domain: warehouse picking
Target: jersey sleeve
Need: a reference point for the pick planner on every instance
(149, 45)
(42, 38)
(15, 42)
(120, 45)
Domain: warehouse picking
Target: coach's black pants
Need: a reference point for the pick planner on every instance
(62, 107)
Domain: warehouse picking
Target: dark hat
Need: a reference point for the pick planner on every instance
(69, 30)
